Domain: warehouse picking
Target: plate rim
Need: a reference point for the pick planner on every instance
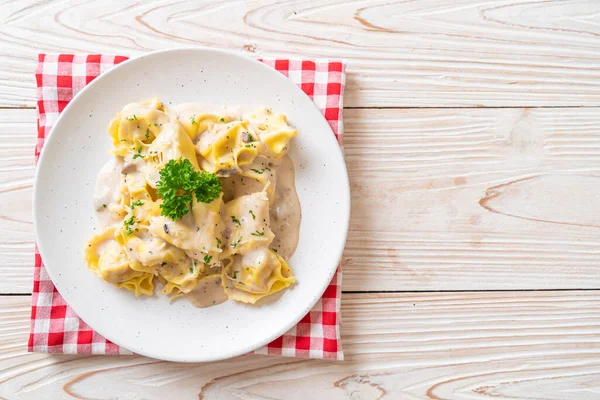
(343, 202)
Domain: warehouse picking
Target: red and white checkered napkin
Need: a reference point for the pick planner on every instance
(55, 328)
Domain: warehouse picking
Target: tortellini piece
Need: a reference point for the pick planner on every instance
(136, 125)
(198, 233)
(227, 146)
(256, 274)
(173, 143)
(246, 224)
(107, 258)
(272, 130)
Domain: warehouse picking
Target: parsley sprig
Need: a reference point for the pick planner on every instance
(137, 203)
(237, 221)
(128, 223)
(179, 181)
(138, 153)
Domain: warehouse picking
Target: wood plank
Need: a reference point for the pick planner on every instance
(419, 54)
(516, 345)
(469, 199)
(473, 199)
(17, 143)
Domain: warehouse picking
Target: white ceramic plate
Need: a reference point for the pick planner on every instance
(64, 215)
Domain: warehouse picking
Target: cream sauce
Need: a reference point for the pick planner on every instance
(106, 192)
(235, 186)
(207, 293)
(285, 213)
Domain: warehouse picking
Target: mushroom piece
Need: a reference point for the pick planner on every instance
(227, 172)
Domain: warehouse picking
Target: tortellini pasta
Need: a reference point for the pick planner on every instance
(225, 241)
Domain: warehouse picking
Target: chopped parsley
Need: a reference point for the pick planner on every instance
(193, 120)
(163, 263)
(222, 120)
(258, 171)
(207, 259)
(275, 250)
(235, 244)
(252, 213)
(138, 153)
(248, 145)
(234, 276)
(191, 270)
(179, 182)
(237, 221)
(250, 138)
(104, 205)
(257, 233)
(218, 242)
(134, 118)
(128, 223)
(137, 203)
(148, 133)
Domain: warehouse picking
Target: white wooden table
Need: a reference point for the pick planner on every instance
(472, 268)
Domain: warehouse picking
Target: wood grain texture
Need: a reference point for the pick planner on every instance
(473, 199)
(469, 199)
(407, 53)
(17, 142)
(515, 345)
